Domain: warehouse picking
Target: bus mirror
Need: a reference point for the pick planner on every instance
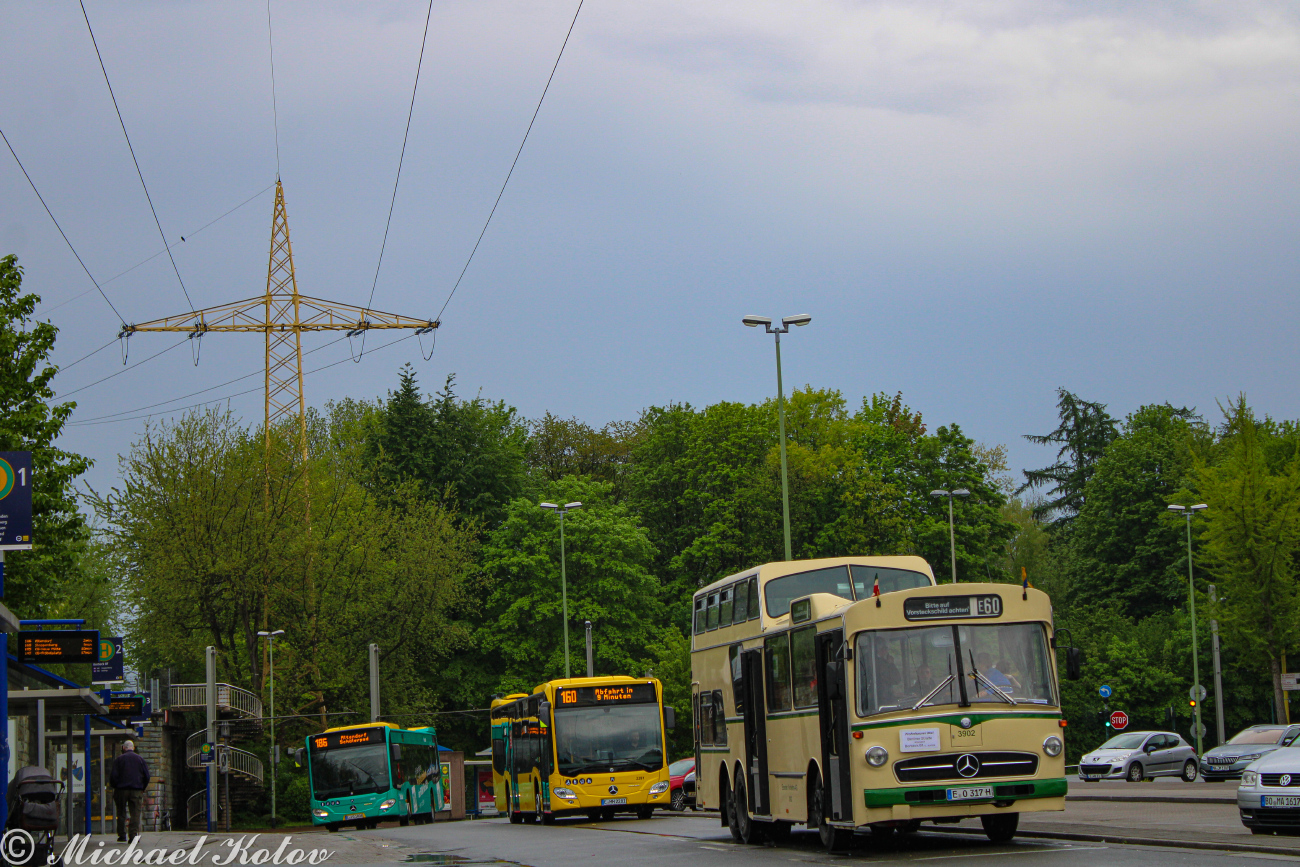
(1073, 663)
(670, 718)
(300, 756)
(544, 710)
(833, 680)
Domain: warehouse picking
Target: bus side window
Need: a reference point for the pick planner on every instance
(719, 719)
(753, 598)
(395, 751)
(803, 660)
(724, 607)
(499, 755)
(737, 693)
(699, 614)
(706, 719)
(713, 611)
(777, 651)
(740, 610)
(695, 718)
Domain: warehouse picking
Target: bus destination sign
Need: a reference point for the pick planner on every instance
(64, 645)
(952, 607)
(347, 738)
(591, 696)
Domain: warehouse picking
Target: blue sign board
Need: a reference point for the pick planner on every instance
(108, 669)
(1105, 691)
(15, 501)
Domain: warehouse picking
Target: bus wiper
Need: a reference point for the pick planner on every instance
(931, 694)
(637, 763)
(997, 690)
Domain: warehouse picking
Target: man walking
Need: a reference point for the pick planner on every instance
(129, 778)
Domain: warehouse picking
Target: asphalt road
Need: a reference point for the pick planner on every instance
(697, 840)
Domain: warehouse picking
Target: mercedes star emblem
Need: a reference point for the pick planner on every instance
(613, 790)
(968, 765)
(966, 722)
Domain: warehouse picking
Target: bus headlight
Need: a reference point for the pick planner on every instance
(566, 794)
(659, 788)
(1052, 746)
(388, 805)
(877, 756)
(321, 814)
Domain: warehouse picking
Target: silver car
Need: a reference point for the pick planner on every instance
(1227, 761)
(1138, 756)
(1269, 795)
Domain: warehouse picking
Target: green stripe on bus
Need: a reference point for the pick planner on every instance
(954, 719)
(1053, 788)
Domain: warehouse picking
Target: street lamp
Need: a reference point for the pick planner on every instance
(1187, 512)
(952, 531)
(564, 583)
(784, 328)
(270, 637)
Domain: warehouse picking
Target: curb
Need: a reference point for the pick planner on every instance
(1129, 840)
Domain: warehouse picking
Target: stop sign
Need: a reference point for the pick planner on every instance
(1118, 720)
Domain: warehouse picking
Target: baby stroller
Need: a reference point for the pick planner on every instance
(33, 807)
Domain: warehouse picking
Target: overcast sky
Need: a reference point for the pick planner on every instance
(977, 202)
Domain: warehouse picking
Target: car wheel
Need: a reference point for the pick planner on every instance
(1134, 773)
(678, 803)
(1189, 771)
(1000, 827)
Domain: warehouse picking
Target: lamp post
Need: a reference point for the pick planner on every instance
(952, 530)
(564, 583)
(777, 331)
(1187, 512)
(270, 637)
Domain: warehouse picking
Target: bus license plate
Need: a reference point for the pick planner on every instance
(1279, 800)
(970, 793)
(355, 816)
(610, 802)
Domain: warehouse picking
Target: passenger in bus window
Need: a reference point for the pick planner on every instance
(888, 682)
(924, 681)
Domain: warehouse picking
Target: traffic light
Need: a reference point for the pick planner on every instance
(1191, 703)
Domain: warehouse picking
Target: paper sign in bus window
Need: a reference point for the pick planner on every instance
(918, 740)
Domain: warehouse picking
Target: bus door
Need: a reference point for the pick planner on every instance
(755, 715)
(833, 714)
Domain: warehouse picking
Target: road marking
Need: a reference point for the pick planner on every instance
(1040, 851)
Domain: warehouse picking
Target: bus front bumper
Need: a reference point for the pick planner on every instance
(932, 802)
(597, 798)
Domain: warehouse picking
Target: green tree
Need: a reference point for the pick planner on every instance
(30, 420)
(1251, 540)
(1083, 434)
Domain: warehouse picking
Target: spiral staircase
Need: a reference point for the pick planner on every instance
(245, 776)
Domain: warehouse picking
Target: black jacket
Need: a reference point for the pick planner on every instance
(130, 771)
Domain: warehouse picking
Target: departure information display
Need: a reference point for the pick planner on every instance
(348, 738)
(590, 696)
(125, 706)
(66, 645)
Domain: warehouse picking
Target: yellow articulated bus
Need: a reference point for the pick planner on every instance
(589, 745)
(854, 694)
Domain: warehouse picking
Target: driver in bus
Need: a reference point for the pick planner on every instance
(997, 678)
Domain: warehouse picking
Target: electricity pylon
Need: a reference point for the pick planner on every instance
(282, 315)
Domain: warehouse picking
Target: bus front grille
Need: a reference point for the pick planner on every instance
(966, 766)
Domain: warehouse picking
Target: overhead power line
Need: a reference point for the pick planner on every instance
(129, 147)
(515, 162)
(184, 237)
(63, 367)
(400, 159)
(275, 111)
(122, 371)
(60, 228)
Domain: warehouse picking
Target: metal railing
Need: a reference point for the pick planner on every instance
(196, 807)
(235, 699)
(241, 761)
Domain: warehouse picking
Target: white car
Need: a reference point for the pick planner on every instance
(1269, 794)
(1138, 756)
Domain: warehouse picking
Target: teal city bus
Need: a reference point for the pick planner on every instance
(362, 775)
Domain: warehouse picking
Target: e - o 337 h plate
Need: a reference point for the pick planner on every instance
(355, 816)
(1279, 800)
(612, 802)
(970, 793)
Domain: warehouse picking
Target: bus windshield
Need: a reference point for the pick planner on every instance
(780, 592)
(356, 770)
(1003, 663)
(589, 739)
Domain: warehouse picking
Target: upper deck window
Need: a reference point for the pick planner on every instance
(724, 607)
(741, 607)
(780, 592)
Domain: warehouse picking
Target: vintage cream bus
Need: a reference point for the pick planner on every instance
(854, 694)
